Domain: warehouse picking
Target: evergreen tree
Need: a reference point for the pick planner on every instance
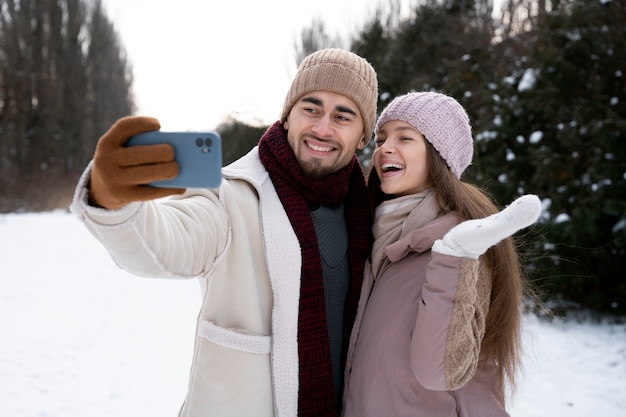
(546, 96)
(560, 134)
(238, 138)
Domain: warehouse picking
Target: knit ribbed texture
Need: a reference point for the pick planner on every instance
(296, 191)
(332, 239)
(442, 121)
(341, 72)
(467, 324)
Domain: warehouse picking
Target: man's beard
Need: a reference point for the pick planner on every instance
(315, 169)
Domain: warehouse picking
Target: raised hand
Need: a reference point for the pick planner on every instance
(472, 238)
(119, 174)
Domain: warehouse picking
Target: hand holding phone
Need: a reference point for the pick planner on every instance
(198, 154)
(118, 173)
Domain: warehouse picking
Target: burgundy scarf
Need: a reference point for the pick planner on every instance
(295, 189)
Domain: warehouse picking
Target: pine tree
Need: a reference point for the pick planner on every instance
(560, 134)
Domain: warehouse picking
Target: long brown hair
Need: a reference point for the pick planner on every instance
(502, 340)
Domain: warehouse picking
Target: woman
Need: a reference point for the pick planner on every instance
(438, 325)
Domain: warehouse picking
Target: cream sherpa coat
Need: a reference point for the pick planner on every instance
(245, 360)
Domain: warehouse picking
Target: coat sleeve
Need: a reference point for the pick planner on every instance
(180, 236)
(450, 324)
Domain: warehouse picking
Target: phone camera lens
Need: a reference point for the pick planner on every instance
(208, 142)
(199, 142)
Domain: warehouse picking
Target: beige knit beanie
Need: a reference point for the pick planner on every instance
(441, 119)
(341, 72)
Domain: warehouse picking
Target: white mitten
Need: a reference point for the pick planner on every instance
(472, 238)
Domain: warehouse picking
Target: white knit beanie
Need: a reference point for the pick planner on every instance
(341, 72)
(441, 119)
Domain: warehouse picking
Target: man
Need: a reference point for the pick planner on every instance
(280, 245)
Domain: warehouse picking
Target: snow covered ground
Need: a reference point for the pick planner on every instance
(79, 337)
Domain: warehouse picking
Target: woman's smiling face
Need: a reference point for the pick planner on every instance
(400, 159)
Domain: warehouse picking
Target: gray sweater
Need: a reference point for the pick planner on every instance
(332, 238)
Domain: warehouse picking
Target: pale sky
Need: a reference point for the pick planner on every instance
(197, 61)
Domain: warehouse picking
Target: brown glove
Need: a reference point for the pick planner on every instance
(119, 174)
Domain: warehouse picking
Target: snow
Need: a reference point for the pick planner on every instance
(562, 218)
(528, 80)
(80, 337)
(536, 137)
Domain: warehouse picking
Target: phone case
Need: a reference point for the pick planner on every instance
(199, 156)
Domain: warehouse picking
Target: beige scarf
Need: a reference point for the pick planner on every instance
(395, 218)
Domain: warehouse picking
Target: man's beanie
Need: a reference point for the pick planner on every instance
(443, 122)
(341, 72)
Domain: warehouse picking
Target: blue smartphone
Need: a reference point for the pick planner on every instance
(199, 156)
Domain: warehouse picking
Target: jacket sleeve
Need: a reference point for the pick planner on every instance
(180, 236)
(450, 324)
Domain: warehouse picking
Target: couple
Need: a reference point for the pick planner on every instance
(301, 315)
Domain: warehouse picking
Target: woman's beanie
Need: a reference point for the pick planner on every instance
(442, 121)
(341, 72)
